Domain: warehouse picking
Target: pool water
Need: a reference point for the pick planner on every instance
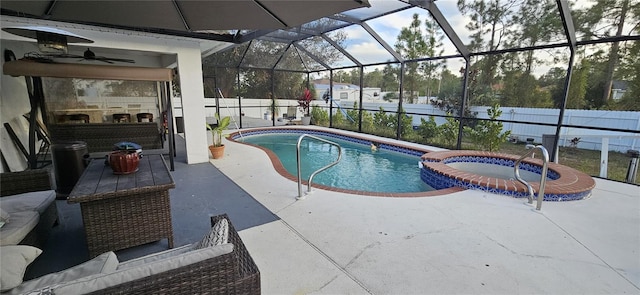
(359, 169)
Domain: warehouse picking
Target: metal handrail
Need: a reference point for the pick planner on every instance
(300, 196)
(543, 174)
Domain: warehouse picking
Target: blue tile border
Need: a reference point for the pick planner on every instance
(438, 180)
(552, 175)
(384, 146)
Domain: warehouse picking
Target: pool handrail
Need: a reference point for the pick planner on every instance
(543, 174)
(300, 195)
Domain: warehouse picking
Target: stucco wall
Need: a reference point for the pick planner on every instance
(147, 49)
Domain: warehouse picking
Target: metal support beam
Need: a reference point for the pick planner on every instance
(239, 99)
(463, 104)
(567, 22)
(250, 36)
(52, 4)
(570, 33)
(361, 97)
(244, 54)
(352, 20)
(182, 18)
(273, 97)
(400, 96)
(273, 15)
(238, 94)
(168, 92)
(457, 42)
(282, 56)
(384, 44)
(444, 25)
(342, 50)
(215, 91)
(345, 18)
(330, 98)
(313, 56)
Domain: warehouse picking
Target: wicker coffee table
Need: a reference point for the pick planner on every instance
(122, 211)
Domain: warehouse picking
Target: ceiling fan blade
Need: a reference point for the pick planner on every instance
(64, 55)
(88, 54)
(119, 59)
(40, 59)
(103, 60)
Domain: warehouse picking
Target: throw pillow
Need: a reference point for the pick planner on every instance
(4, 217)
(103, 263)
(15, 259)
(218, 235)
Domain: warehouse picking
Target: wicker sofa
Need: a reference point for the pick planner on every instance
(100, 137)
(226, 268)
(30, 202)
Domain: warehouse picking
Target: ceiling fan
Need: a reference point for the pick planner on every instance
(52, 42)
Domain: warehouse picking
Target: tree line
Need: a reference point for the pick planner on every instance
(508, 78)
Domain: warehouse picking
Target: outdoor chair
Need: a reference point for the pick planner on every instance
(28, 207)
(290, 114)
(121, 118)
(218, 264)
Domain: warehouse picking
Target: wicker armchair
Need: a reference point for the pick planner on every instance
(233, 273)
(13, 183)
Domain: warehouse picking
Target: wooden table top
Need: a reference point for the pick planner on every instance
(98, 181)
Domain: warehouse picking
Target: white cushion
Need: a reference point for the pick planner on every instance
(218, 235)
(4, 217)
(155, 256)
(104, 263)
(38, 201)
(18, 227)
(15, 260)
(120, 276)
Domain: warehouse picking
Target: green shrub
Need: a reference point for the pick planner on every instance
(319, 116)
(487, 134)
(406, 123)
(338, 119)
(382, 120)
(448, 132)
(428, 129)
(367, 122)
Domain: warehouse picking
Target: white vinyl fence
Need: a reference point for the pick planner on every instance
(589, 138)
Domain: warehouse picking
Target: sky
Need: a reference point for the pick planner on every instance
(388, 27)
(366, 49)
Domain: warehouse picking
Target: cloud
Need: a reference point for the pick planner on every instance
(356, 33)
(369, 52)
(389, 26)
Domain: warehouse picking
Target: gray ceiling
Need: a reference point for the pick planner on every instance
(196, 18)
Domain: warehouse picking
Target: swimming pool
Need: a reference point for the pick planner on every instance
(390, 170)
(442, 171)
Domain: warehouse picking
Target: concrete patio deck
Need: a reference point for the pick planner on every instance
(336, 243)
(465, 242)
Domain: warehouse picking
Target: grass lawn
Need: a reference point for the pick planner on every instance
(587, 161)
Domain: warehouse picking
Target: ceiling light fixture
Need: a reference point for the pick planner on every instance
(50, 40)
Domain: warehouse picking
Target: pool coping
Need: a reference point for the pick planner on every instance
(570, 184)
(384, 143)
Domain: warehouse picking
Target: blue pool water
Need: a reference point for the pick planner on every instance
(360, 169)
